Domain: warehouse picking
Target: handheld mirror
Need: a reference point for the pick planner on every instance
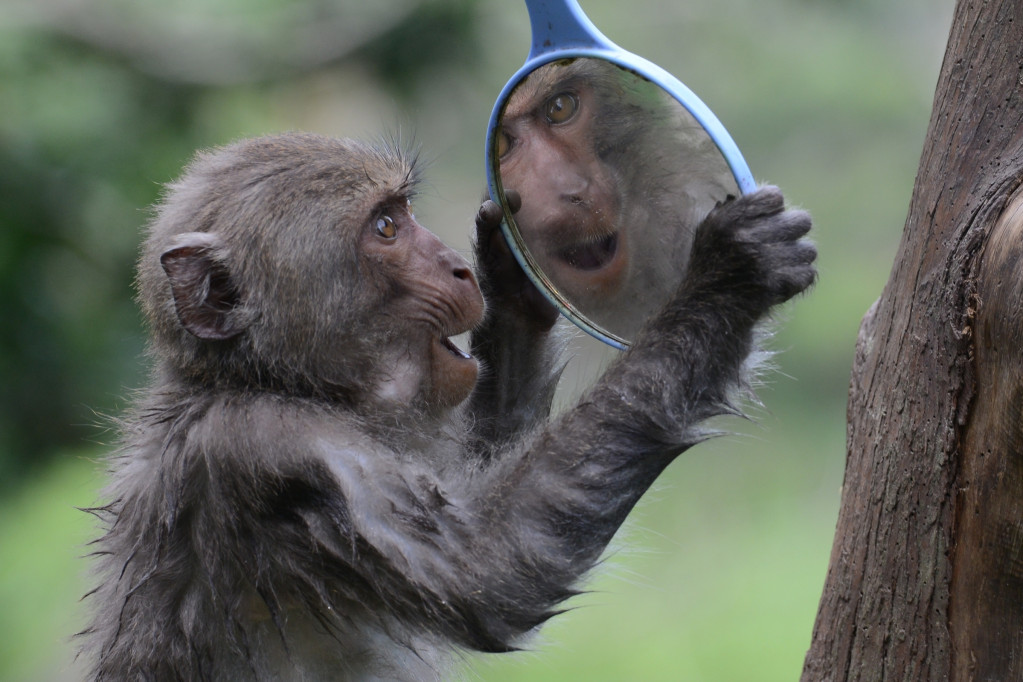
(615, 161)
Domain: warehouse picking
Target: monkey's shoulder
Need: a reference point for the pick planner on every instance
(250, 445)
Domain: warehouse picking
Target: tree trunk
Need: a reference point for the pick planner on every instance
(986, 606)
(926, 573)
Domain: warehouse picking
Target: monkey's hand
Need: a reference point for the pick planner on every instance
(748, 255)
(506, 288)
(520, 357)
(752, 251)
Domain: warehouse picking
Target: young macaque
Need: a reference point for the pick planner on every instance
(317, 484)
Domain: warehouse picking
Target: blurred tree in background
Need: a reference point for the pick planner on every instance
(102, 101)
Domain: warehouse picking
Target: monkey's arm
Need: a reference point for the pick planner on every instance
(568, 494)
(519, 353)
(483, 557)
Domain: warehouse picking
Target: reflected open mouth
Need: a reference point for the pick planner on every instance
(591, 255)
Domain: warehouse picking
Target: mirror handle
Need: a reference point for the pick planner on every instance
(560, 25)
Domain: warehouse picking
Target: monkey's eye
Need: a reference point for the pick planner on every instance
(561, 107)
(386, 227)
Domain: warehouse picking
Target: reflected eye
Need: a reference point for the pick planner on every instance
(561, 107)
(386, 227)
(504, 143)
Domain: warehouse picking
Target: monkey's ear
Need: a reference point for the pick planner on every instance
(204, 295)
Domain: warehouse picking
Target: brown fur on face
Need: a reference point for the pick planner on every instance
(435, 293)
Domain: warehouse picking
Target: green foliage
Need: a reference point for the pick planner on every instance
(81, 143)
(89, 130)
(434, 34)
(42, 575)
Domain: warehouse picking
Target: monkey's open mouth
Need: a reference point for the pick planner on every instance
(450, 346)
(591, 255)
(453, 371)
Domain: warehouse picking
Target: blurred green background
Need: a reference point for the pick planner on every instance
(717, 575)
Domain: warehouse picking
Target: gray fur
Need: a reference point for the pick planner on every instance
(266, 519)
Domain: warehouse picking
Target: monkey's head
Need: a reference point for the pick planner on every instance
(294, 263)
(552, 147)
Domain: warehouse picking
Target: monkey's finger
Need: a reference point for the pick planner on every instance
(788, 282)
(764, 201)
(789, 254)
(489, 216)
(737, 214)
(786, 226)
(513, 199)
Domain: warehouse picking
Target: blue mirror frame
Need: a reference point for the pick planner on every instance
(561, 30)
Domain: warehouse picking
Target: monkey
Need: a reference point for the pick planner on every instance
(614, 175)
(318, 484)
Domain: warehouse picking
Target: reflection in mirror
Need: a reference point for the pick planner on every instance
(614, 176)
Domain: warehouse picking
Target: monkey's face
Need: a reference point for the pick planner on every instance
(571, 200)
(311, 274)
(431, 295)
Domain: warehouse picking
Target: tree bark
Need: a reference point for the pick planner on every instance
(986, 607)
(926, 574)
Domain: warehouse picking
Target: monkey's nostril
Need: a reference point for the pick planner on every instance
(462, 273)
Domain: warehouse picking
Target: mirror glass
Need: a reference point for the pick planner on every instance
(614, 175)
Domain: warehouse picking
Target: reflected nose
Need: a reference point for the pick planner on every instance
(574, 188)
(560, 174)
(572, 185)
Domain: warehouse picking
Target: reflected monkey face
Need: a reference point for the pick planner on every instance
(614, 174)
(549, 147)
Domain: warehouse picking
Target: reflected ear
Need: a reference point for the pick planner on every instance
(204, 294)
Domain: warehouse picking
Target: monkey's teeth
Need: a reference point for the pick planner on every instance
(455, 350)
